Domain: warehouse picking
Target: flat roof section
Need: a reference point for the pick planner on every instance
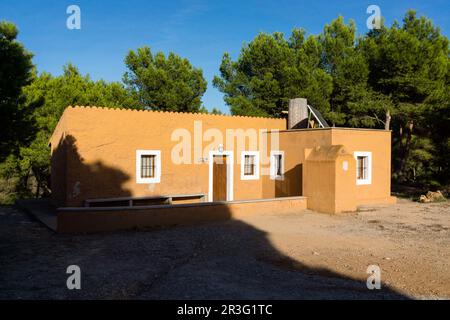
(330, 128)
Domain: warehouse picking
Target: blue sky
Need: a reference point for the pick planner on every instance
(200, 30)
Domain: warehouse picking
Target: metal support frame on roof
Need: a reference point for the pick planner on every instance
(309, 118)
(322, 123)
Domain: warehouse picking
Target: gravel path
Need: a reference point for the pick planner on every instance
(296, 256)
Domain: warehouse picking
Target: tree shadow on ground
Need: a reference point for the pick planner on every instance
(222, 260)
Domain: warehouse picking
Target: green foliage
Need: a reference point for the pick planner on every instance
(26, 173)
(410, 65)
(54, 94)
(342, 60)
(16, 71)
(216, 111)
(394, 78)
(161, 83)
(269, 71)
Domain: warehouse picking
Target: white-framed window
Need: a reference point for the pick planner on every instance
(249, 165)
(148, 166)
(363, 167)
(276, 165)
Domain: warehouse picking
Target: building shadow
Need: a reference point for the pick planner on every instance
(84, 180)
(231, 259)
(291, 185)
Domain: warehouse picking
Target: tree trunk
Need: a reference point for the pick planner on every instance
(406, 148)
(38, 189)
(24, 181)
(387, 123)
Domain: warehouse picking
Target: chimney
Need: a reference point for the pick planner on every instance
(298, 112)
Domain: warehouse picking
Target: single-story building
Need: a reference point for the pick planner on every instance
(103, 157)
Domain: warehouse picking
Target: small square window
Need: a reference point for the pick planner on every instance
(276, 165)
(363, 167)
(148, 166)
(361, 172)
(250, 165)
(278, 170)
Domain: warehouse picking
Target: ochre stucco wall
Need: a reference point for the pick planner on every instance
(295, 142)
(58, 177)
(345, 194)
(379, 143)
(328, 184)
(72, 220)
(102, 161)
(94, 156)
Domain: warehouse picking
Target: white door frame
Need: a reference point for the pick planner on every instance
(230, 166)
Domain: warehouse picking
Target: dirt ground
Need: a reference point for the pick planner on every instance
(306, 255)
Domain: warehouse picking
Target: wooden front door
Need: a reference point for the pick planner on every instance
(219, 178)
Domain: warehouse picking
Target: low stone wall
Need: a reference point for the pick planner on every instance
(82, 219)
